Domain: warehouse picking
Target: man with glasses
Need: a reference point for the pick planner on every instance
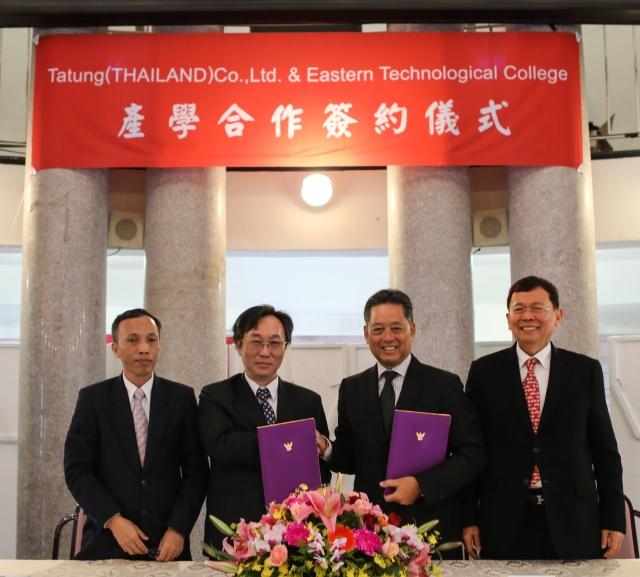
(553, 487)
(231, 411)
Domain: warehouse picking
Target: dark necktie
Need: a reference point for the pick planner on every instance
(264, 395)
(388, 400)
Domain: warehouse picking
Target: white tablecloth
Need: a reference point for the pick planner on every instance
(597, 568)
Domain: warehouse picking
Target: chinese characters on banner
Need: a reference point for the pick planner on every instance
(312, 99)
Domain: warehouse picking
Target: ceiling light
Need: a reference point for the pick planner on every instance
(316, 189)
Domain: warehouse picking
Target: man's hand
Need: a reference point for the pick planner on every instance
(321, 443)
(471, 540)
(407, 490)
(128, 535)
(171, 545)
(611, 541)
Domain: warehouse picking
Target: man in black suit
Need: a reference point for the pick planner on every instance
(132, 458)
(231, 411)
(365, 413)
(553, 487)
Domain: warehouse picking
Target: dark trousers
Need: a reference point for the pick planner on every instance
(533, 540)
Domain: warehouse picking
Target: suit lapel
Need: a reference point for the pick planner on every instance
(286, 403)
(412, 386)
(371, 409)
(557, 381)
(249, 403)
(513, 382)
(159, 411)
(122, 419)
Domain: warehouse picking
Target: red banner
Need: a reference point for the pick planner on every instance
(307, 100)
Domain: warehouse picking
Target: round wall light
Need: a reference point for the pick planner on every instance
(316, 189)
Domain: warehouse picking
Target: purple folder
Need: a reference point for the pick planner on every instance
(288, 457)
(418, 443)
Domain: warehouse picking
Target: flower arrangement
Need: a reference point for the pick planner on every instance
(325, 532)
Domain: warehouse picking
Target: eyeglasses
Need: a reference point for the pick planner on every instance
(537, 310)
(257, 345)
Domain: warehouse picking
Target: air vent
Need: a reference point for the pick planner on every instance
(126, 230)
(490, 228)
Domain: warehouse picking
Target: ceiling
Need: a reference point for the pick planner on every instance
(42, 13)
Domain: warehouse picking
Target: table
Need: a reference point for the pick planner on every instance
(115, 568)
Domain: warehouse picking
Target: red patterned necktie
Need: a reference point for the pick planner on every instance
(532, 393)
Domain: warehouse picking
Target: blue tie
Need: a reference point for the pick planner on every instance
(264, 395)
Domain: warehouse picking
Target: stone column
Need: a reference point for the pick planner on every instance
(552, 233)
(185, 245)
(430, 241)
(62, 334)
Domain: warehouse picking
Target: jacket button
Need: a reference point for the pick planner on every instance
(143, 512)
(526, 482)
(144, 483)
(536, 450)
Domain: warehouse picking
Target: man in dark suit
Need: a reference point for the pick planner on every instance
(553, 487)
(231, 411)
(132, 458)
(365, 413)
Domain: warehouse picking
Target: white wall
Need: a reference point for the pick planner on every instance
(9, 363)
(624, 382)
(11, 188)
(616, 198)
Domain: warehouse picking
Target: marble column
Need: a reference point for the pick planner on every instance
(62, 334)
(185, 246)
(430, 241)
(552, 233)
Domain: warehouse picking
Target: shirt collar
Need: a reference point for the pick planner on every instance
(401, 369)
(272, 386)
(543, 356)
(131, 388)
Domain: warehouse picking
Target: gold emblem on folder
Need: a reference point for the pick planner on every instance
(420, 436)
(289, 446)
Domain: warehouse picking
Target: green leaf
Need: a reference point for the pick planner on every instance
(221, 526)
(450, 545)
(427, 526)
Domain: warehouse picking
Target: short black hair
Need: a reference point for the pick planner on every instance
(132, 314)
(250, 318)
(528, 283)
(389, 296)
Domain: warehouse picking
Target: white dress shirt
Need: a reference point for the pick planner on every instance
(146, 389)
(541, 371)
(273, 389)
(397, 382)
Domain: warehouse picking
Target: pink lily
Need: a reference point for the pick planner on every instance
(245, 531)
(327, 506)
(300, 511)
(417, 564)
(240, 549)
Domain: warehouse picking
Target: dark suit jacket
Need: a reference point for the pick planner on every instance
(575, 450)
(361, 446)
(103, 472)
(228, 417)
